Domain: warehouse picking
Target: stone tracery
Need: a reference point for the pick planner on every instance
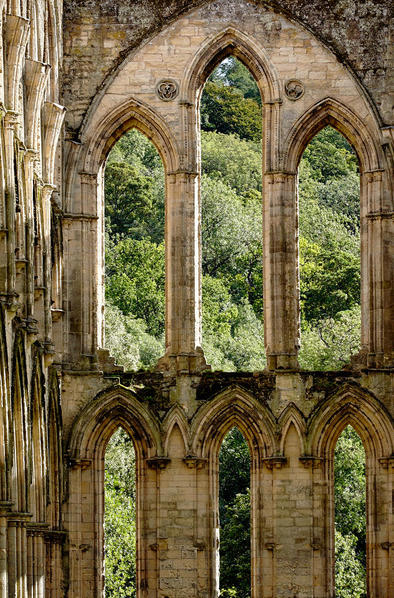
(56, 381)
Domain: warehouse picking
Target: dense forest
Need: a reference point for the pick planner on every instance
(233, 306)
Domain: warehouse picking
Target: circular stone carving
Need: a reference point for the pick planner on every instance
(167, 90)
(294, 89)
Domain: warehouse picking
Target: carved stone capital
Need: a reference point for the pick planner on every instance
(88, 178)
(193, 462)
(36, 529)
(158, 462)
(5, 508)
(54, 536)
(199, 544)
(77, 463)
(275, 462)
(11, 119)
(311, 461)
(387, 462)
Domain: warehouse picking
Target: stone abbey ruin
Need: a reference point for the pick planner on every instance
(75, 75)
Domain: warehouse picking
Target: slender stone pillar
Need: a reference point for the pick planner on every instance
(12, 558)
(4, 512)
(10, 124)
(183, 279)
(281, 282)
(376, 269)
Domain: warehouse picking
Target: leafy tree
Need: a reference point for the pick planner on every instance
(134, 190)
(235, 74)
(349, 572)
(233, 161)
(129, 198)
(329, 343)
(225, 110)
(119, 517)
(231, 228)
(235, 549)
(330, 155)
(136, 149)
(329, 255)
(127, 340)
(234, 509)
(218, 309)
(350, 492)
(245, 348)
(135, 281)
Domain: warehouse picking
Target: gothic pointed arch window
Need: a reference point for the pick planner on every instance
(135, 252)
(329, 245)
(350, 515)
(120, 529)
(234, 516)
(231, 217)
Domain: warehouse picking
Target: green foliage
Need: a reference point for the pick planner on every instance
(328, 343)
(349, 572)
(350, 516)
(329, 246)
(234, 162)
(235, 549)
(232, 72)
(127, 340)
(234, 462)
(330, 155)
(350, 487)
(225, 110)
(129, 198)
(234, 508)
(135, 281)
(134, 190)
(120, 517)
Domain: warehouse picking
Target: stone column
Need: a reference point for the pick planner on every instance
(30, 157)
(377, 269)
(46, 194)
(53, 550)
(36, 560)
(183, 278)
(10, 124)
(281, 280)
(18, 555)
(81, 230)
(4, 512)
(380, 530)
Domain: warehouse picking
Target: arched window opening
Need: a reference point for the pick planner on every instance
(231, 186)
(135, 281)
(234, 516)
(350, 516)
(120, 517)
(329, 240)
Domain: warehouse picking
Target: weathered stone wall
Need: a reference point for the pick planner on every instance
(99, 34)
(62, 396)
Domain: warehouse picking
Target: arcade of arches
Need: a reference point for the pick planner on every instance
(74, 77)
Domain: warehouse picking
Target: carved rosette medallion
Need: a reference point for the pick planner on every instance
(167, 90)
(294, 89)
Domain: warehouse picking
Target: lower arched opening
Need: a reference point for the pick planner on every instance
(120, 517)
(350, 516)
(234, 517)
